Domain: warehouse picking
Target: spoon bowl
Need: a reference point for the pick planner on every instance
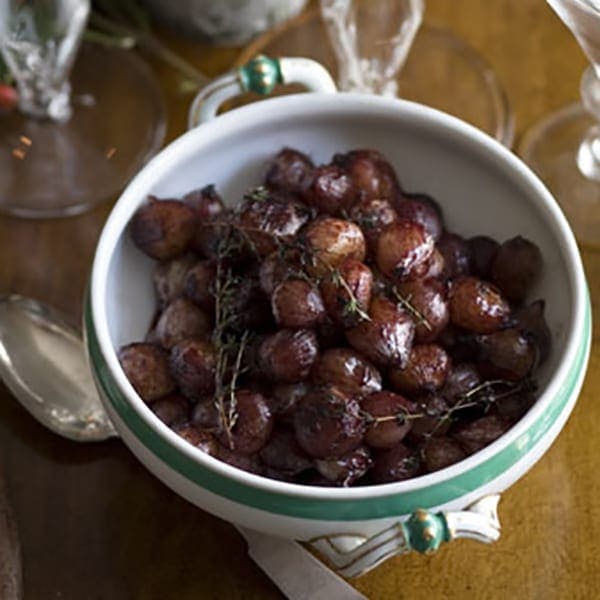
(44, 364)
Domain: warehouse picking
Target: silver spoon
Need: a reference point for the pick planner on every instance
(44, 364)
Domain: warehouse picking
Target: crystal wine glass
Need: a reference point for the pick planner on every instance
(371, 41)
(379, 46)
(564, 148)
(87, 117)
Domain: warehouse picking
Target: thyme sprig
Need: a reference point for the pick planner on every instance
(352, 306)
(230, 343)
(406, 304)
(399, 418)
(482, 395)
(257, 194)
(310, 258)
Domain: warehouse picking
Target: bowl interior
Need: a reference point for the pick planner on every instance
(479, 191)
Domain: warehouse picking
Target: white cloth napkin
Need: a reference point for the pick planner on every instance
(295, 571)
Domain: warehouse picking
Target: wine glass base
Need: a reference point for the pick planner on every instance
(441, 71)
(552, 149)
(50, 169)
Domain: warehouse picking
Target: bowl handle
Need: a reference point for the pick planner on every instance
(423, 531)
(259, 75)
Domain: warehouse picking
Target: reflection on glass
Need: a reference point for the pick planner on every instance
(564, 148)
(371, 40)
(62, 152)
(38, 41)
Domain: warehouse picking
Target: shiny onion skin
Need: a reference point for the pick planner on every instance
(297, 303)
(347, 371)
(288, 355)
(396, 464)
(328, 423)
(457, 258)
(402, 248)
(373, 216)
(163, 229)
(192, 363)
(290, 171)
(180, 320)
(348, 468)
(332, 191)
(477, 305)
(345, 305)
(423, 210)
(273, 270)
(389, 432)
(253, 425)
(147, 368)
(427, 368)
(506, 354)
(329, 241)
(428, 298)
(386, 339)
(265, 223)
(372, 175)
(169, 278)
(203, 440)
(478, 434)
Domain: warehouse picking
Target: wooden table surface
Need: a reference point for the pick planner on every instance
(94, 524)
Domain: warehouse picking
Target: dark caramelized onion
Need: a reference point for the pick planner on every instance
(330, 241)
(516, 267)
(252, 426)
(347, 292)
(348, 371)
(402, 248)
(477, 305)
(192, 365)
(386, 338)
(347, 469)
(388, 418)
(332, 192)
(147, 368)
(328, 423)
(265, 223)
(329, 330)
(296, 303)
(163, 229)
(290, 171)
(396, 464)
(426, 370)
(372, 175)
(288, 355)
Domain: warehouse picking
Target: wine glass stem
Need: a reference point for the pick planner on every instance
(588, 154)
(39, 40)
(44, 101)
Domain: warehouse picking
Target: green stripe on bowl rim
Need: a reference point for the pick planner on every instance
(334, 509)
